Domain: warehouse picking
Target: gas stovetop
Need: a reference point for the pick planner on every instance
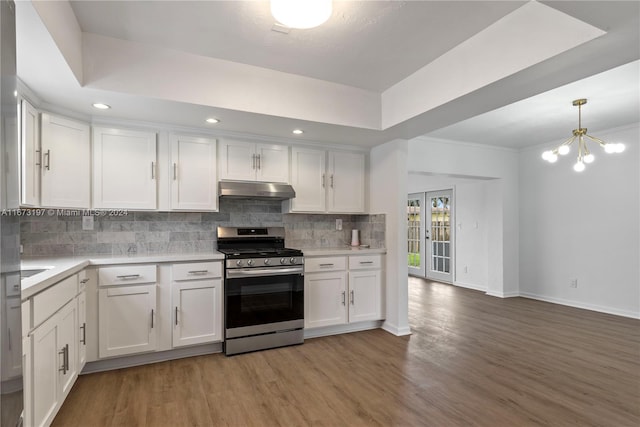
(256, 247)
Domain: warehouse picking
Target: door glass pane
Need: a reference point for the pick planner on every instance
(414, 234)
(440, 233)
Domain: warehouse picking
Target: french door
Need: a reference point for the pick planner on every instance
(415, 237)
(430, 235)
(439, 233)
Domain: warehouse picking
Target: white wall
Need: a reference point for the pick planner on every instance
(583, 226)
(470, 216)
(434, 156)
(388, 195)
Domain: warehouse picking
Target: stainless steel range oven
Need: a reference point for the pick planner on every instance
(263, 289)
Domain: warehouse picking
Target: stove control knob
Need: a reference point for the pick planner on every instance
(266, 261)
(282, 260)
(239, 263)
(292, 261)
(250, 262)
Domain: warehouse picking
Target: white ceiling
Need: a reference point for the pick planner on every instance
(366, 45)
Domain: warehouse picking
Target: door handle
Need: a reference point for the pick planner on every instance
(176, 316)
(152, 313)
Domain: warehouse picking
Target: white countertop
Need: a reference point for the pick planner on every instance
(342, 250)
(59, 268)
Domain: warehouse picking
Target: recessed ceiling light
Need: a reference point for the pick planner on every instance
(101, 106)
(298, 131)
(212, 120)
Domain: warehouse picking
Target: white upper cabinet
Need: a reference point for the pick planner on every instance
(193, 174)
(30, 157)
(66, 158)
(334, 187)
(124, 169)
(249, 161)
(308, 180)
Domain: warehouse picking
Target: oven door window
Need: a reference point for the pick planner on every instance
(262, 300)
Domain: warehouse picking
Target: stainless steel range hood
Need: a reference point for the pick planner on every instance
(256, 190)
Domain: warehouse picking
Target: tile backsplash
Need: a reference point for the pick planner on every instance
(59, 233)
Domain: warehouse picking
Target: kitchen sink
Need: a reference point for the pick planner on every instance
(32, 272)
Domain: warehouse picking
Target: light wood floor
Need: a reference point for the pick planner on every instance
(472, 360)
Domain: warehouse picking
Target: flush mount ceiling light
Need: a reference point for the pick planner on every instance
(301, 14)
(212, 120)
(584, 155)
(101, 106)
(297, 131)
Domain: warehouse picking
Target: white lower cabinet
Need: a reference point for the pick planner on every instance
(340, 290)
(127, 320)
(51, 351)
(196, 295)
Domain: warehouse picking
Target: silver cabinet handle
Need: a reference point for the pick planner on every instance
(83, 340)
(326, 265)
(176, 316)
(38, 157)
(9, 337)
(47, 156)
(175, 171)
(351, 297)
(153, 170)
(331, 180)
(259, 161)
(344, 297)
(65, 359)
(152, 314)
(366, 262)
(128, 276)
(198, 272)
(322, 180)
(83, 281)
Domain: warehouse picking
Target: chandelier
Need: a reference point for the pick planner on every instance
(584, 155)
(301, 14)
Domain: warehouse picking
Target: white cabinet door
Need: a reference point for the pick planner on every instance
(12, 359)
(82, 330)
(30, 156)
(124, 169)
(46, 358)
(308, 180)
(68, 339)
(66, 156)
(346, 182)
(237, 160)
(325, 299)
(127, 320)
(364, 296)
(272, 163)
(193, 174)
(197, 311)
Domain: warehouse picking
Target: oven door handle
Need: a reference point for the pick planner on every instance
(264, 272)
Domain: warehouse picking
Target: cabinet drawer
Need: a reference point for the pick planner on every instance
(127, 275)
(312, 265)
(53, 299)
(365, 261)
(196, 270)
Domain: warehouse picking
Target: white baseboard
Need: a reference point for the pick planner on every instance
(341, 329)
(147, 358)
(470, 286)
(503, 294)
(395, 330)
(592, 307)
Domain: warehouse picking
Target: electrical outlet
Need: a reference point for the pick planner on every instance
(338, 224)
(574, 283)
(87, 222)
